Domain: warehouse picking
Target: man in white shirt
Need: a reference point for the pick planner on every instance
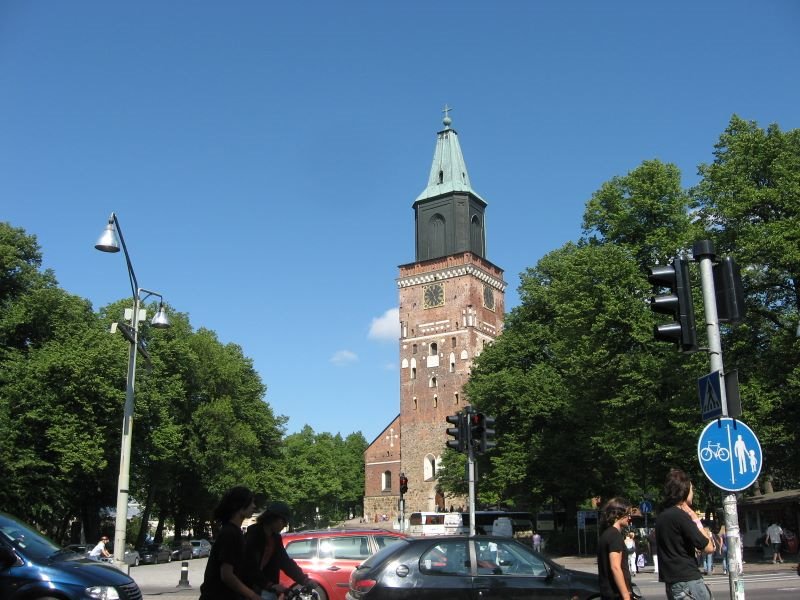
(774, 533)
(99, 551)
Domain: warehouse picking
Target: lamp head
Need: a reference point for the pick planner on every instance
(160, 320)
(108, 241)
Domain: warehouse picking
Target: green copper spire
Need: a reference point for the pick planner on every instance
(448, 171)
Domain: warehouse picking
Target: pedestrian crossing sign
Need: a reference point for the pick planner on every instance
(709, 388)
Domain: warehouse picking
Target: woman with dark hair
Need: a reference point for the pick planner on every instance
(679, 534)
(225, 571)
(265, 554)
(612, 564)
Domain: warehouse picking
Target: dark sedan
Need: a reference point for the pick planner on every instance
(459, 567)
(152, 554)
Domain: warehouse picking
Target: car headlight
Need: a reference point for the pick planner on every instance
(103, 592)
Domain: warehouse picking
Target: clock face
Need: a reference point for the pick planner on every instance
(433, 295)
(488, 297)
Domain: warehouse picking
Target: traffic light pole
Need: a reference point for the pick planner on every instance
(471, 477)
(704, 254)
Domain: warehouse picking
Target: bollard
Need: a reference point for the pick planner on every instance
(184, 582)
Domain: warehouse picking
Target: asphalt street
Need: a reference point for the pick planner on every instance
(762, 579)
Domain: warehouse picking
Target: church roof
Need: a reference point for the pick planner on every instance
(448, 171)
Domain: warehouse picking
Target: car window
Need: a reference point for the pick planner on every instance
(353, 547)
(499, 557)
(445, 558)
(386, 540)
(302, 549)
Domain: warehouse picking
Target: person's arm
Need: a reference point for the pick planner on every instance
(230, 579)
(703, 544)
(289, 566)
(615, 561)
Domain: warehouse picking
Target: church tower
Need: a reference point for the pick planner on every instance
(451, 307)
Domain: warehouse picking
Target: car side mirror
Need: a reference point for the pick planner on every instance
(7, 557)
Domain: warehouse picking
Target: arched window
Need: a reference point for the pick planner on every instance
(415, 403)
(413, 368)
(435, 401)
(438, 236)
(432, 381)
(452, 362)
(386, 481)
(476, 236)
(429, 467)
(404, 364)
(433, 349)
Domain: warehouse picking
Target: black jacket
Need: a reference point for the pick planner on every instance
(255, 544)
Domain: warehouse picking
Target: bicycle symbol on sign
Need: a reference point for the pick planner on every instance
(715, 451)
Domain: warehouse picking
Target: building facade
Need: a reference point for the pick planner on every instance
(451, 307)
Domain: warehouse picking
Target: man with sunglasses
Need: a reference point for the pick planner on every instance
(612, 563)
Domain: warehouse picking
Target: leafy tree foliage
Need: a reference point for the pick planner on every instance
(587, 404)
(201, 424)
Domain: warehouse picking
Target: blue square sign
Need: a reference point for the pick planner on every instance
(709, 388)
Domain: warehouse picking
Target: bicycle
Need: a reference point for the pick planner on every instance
(714, 451)
(301, 592)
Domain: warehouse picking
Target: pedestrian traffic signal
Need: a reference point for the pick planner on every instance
(459, 433)
(728, 290)
(677, 303)
(403, 483)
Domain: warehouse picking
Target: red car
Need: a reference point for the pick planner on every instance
(329, 556)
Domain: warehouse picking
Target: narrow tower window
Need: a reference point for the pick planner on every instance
(386, 481)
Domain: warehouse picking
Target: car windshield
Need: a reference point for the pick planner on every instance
(196, 544)
(29, 542)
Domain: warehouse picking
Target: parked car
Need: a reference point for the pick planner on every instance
(152, 554)
(329, 556)
(80, 548)
(460, 566)
(182, 550)
(200, 548)
(32, 566)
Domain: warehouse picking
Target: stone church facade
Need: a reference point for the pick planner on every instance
(451, 307)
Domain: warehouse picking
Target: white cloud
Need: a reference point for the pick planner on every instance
(386, 328)
(342, 358)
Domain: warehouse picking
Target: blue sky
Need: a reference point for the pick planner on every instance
(262, 157)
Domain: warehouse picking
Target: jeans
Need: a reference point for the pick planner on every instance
(695, 589)
(709, 563)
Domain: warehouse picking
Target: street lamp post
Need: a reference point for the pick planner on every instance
(108, 243)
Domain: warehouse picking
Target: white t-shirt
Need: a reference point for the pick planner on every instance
(97, 551)
(774, 532)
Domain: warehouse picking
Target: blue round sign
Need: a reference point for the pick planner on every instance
(729, 454)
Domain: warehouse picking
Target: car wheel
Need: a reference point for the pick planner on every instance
(136, 562)
(320, 592)
(169, 558)
(155, 560)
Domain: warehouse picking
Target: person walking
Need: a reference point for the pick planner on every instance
(537, 541)
(722, 548)
(226, 572)
(709, 557)
(266, 555)
(679, 534)
(774, 533)
(612, 567)
(100, 550)
(651, 537)
(630, 552)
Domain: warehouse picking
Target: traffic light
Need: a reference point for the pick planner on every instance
(728, 290)
(487, 433)
(403, 483)
(481, 432)
(678, 303)
(459, 433)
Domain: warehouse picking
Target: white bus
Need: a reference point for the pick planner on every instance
(442, 523)
(434, 523)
